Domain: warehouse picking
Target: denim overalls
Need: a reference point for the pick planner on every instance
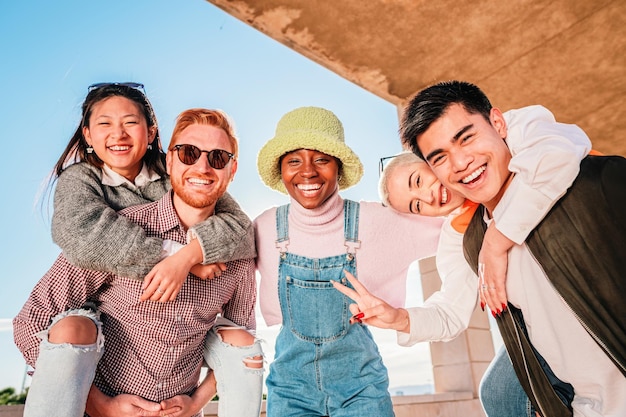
(323, 366)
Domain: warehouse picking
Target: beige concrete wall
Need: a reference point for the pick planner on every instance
(458, 365)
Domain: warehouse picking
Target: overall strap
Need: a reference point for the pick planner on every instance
(282, 228)
(351, 226)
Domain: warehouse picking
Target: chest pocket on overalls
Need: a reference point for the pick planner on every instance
(318, 312)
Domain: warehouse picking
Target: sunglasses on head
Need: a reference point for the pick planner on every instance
(383, 163)
(136, 86)
(189, 155)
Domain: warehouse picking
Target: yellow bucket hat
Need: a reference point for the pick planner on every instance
(308, 128)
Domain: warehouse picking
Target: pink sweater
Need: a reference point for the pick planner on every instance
(389, 243)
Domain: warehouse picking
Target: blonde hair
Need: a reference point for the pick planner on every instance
(402, 159)
(206, 117)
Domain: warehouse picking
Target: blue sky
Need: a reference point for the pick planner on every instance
(188, 53)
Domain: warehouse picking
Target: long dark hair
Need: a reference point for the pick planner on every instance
(75, 151)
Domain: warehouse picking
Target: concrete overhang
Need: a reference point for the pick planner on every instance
(568, 55)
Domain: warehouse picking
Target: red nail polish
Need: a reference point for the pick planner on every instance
(482, 306)
(359, 316)
(503, 307)
(493, 313)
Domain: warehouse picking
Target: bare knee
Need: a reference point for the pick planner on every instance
(254, 362)
(240, 337)
(77, 330)
(236, 337)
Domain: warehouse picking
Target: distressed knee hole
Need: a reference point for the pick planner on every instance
(255, 362)
(74, 329)
(236, 337)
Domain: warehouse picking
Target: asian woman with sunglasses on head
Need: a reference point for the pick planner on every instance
(115, 160)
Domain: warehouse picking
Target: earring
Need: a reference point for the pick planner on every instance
(89, 149)
(149, 146)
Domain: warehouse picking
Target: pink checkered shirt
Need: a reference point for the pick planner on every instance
(152, 349)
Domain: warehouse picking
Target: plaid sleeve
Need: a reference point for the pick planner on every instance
(240, 307)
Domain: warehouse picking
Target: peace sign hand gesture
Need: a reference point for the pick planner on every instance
(372, 310)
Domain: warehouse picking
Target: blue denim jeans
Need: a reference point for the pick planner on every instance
(64, 373)
(501, 393)
(239, 385)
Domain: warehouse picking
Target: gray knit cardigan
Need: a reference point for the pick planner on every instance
(86, 226)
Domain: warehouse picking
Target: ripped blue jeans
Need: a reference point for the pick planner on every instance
(238, 374)
(65, 372)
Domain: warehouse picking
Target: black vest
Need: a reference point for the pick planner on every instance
(581, 246)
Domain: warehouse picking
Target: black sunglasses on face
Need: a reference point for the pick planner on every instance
(137, 86)
(189, 155)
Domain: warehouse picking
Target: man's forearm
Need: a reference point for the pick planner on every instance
(205, 391)
(95, 402)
